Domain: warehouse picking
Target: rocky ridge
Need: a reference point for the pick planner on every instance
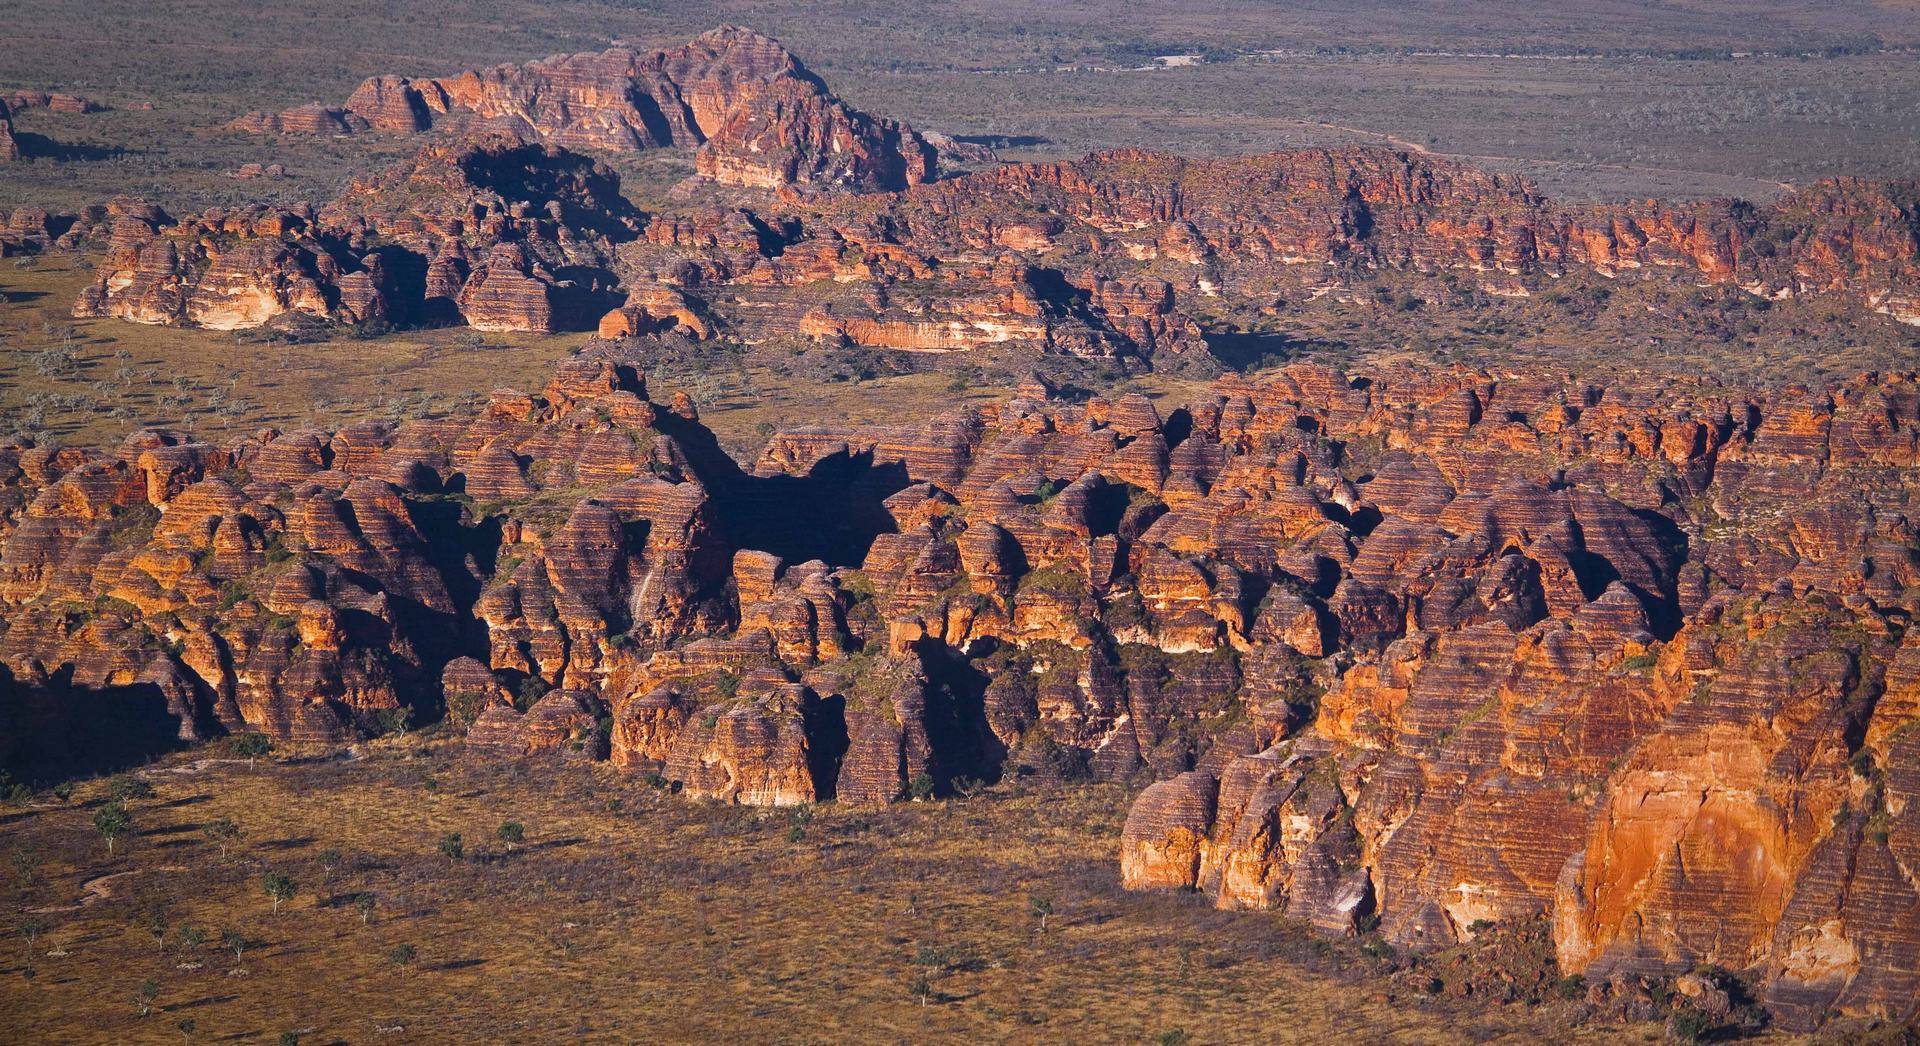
(749, 110)
(492, 232)
(1134, 257)
(1421, 650)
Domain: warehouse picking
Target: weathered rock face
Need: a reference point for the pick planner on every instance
(1632, 711)
(1114, 255)
(9, 147)
(224, 270)
(56, 101)
(309, 119)
(975, 261)
(501, 235)
(754, 114)
(1111, 257)
(1421, 649)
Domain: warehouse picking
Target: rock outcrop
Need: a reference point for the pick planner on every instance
(1135, 257)
(492, 232)
(55, 101)
(9, 146)
(750, 111)
(1422, 650)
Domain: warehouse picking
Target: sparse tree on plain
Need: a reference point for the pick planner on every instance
(126, 787)
(223, 832)
(279, 887)
(157, 929)
(25, 864)
(192, 937)
(251, 747)
(1042, 907)
(31, 928)
(111, 821)
(402, 956)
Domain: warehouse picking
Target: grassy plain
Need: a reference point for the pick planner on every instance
(91, 382)
(1623, 98)
(626, 913)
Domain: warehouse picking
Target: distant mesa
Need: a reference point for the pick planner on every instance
(1119, 256)
(749, 110)
(15, 146)
(258, 170)
(56, 101)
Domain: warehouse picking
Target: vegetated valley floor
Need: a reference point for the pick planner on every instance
(629, 913)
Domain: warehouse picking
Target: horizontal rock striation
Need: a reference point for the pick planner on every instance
(753, 115)
(54, 101)
(492, 232)
(1135, 257)
(1419, 649)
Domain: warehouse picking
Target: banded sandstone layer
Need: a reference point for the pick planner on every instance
(753, 113)
(1134, 258)
(1417, 650)
(1131, 258)
(1431, 650)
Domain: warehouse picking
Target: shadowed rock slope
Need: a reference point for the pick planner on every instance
(1419, 649)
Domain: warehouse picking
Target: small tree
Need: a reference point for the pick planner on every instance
(251, 747)
(25, 863)
(512, 832)
(364, 904)
(401, 956)
(532, 689)
(186, 1026)
(192, 937)
(1042, 907)
(235, 942)
(279, 887)
(127, 786)
(157, 928)
(222, 832)
(451, 847)
(921, 787)
(17, 792)
(394, 720)
(31, 928)
(110, 821)
(149, 991)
